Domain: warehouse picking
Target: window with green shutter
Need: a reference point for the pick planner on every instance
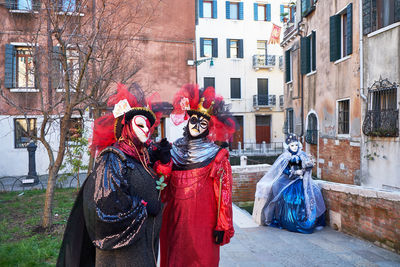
(378, 14)
(288, 66)
(308, 53)
(307, 6)
(341, 34)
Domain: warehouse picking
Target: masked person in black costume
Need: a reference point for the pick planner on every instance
(116, 218)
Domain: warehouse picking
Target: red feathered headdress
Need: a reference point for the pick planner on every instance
(190, 100)
(126, 104)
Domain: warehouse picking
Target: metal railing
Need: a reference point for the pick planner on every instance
(264, 61)
(264, 100)
(252, 148)
(383, 123)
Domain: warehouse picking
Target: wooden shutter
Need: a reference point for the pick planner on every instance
(240, 52)
(215, 10)
(287, 65)
(9, 66)
(367, 16)
(201, 13)
(268, 12)
(201, 47)
(228, 48)
(36, 5)
(215, 47)
(314, 52)
(303, 7)
(240, 10)
(282, 11)
(396, 10)
(349, 41)
(255, 11)
(57, 68)
(334, 37)
(11, 4)
(305, 54)
(228, 9)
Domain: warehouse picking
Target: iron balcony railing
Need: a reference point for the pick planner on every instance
(263, 61)
(264, 100)
(312, 137)
(383, 123)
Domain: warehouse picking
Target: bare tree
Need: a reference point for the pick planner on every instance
(79, 51)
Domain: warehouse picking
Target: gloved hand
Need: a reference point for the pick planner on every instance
(299, 172)
(218, 236)
(163, 152)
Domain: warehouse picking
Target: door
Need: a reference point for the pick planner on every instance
(238, 135)
(263, 129)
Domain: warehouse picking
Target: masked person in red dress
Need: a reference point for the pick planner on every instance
(197, 218)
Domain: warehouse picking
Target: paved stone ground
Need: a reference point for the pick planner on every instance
(268, 246)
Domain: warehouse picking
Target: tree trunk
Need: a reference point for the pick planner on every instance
(48, 204)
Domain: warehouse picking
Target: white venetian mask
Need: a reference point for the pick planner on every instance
(141, 127)
(294, 146)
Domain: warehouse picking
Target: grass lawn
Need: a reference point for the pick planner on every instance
(22, 241)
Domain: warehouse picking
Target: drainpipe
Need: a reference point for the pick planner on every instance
(364, 97)
(299, 33)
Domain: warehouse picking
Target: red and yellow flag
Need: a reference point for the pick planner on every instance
(275, 35)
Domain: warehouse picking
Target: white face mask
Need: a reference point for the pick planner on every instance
(197, 125)
(294, 147)
(141, 127)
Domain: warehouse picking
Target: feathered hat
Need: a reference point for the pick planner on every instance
(126, 104)
(191, 100)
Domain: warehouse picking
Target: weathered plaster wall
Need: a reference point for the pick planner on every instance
(380, 155)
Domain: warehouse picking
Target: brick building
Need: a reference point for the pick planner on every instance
(149, 43)
(322, 82)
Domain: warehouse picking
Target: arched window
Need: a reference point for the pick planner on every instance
(312, 129)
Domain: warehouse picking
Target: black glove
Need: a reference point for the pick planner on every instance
(163, 151)
(218, 236)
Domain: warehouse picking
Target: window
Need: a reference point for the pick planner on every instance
(234, 48)
(25, 5)
(19, 67)
(72, 68)
(343, 116)
(379, 14)
(208, 47)
(288, 66)
(234, 10)
(312, 129)
(209, 82)
(235, 88)
(262, 12)
(308, 53)
(289, 121)
(208, 9)
(288, 13)
(75, 129)
(341, 34)
(261, 47)
(382, 114)
(67, 5)
(24, 129)
(307, 6)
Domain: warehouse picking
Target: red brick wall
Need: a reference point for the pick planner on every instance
(244, 185)
(342, 153)
(374, 219)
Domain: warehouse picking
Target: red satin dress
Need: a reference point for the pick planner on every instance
(190, 214)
